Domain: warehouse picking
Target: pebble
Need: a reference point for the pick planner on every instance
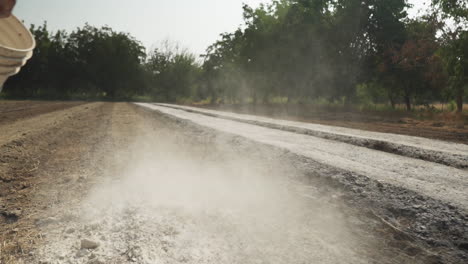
(81, 253)
(89, 244)
(93, 227)
(95, 261)
(82, 178)
(17, 212)
(47, 221)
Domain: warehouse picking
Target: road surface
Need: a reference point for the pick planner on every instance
(120, 183)
(427, 178)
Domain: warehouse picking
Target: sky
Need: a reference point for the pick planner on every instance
(194, 24)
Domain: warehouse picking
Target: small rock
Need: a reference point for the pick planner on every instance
(88, 244)
(438, 124)
(11, 216)
(463, 245)
(81, 253)
(18, 143)
(95, 261)
(403, 121)
(46, 221)
(67, 179)
(16, 212)
(68, 217)
(70, 230)
(93, 227)
(82, 178)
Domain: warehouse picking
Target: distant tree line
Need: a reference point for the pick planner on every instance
(87, 63)
(290, 51)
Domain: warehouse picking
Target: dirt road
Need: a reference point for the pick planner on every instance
(118, 183)
(443, 152)
(428, 124)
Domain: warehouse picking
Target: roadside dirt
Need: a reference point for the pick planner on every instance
(39, 162)
(11, 111)
(145, 188)
(442, 126)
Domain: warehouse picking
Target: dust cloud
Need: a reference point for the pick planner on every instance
(196, 197)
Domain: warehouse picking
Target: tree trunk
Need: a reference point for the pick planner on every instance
(459, 100)
(265, 98)
(347, 102)
(408, 102)
(392, 102)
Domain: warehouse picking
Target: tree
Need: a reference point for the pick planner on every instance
(111, 61)
(89, 62)
(455, 48)
(416, 60)
(174, 72)
(287, 50)
(456, 59)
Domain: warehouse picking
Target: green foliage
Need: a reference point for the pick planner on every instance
(298, 49)
(452, 106)
(455, 49)
(349, 51)
(88, 63)
(371, 93)
(324, 52)
(174, 73)
(457, 9)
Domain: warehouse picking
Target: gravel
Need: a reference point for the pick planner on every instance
(447, 153)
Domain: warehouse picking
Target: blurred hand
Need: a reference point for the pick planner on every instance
(6, 6)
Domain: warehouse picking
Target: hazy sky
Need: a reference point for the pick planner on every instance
(194, 24)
